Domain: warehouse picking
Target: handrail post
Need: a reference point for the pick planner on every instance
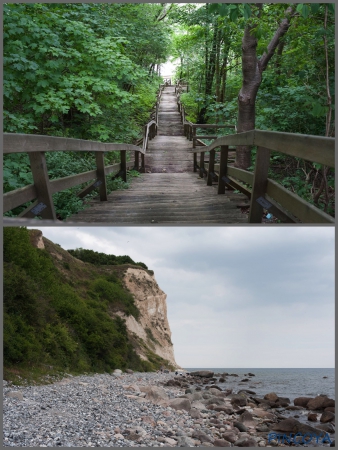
(259, 184)
(193, 136)
(223, 166)
(44, 205)
(137, 160)
(124, 165)
(143, 167)
(101, 177)
(211, 168)
(202, 164)
(195, 162)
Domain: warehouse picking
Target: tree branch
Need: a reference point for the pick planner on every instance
(281, 31)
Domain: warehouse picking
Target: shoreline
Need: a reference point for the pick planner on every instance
(141, 410)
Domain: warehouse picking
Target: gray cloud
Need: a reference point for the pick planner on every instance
(236, 295)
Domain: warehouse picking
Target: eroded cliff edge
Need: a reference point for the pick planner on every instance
(153, 326)
(150, 332)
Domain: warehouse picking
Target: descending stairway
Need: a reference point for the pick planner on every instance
(169, 192)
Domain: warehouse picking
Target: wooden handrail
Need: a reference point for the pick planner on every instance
(36, 146)
(266, 193)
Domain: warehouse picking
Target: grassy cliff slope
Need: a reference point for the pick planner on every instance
(60, 313)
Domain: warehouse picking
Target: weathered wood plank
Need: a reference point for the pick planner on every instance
(18, 197)
(300, 208)
(259, 184)
(312, 148)
(29, 143)
(222, 169)
(45, 205)
(100, 175)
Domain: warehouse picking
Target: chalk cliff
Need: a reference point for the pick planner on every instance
(153, 326)
(150, 334)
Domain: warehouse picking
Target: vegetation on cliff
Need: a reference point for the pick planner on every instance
(101, 259)
(61, 313)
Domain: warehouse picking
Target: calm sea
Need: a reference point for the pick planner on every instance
(289, 383)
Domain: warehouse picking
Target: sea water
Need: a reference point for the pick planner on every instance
(289, 383)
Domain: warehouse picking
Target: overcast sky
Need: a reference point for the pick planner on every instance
(237, 297)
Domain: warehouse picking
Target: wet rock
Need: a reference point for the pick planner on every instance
(221, 380)
(262, 428)
(294, 408)
(327, 416)
(328, 427)
(293, 426)
(302, 401)
(251, 374)
(245, 379)
(247, 391)
(331, 409)
(202, 373)
(272, 397)
(319, 402)
(312, 417)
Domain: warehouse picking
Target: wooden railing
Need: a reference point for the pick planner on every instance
(36, 146)
(264, 192)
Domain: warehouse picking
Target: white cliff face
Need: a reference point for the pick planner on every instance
(152, 326)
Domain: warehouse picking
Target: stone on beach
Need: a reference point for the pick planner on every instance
(327, 416)
(302, 401)
(180, 403)
(15, 394)
(320, 402)
(293, 426)
(221, 443)
(202, 373)
(155, 394)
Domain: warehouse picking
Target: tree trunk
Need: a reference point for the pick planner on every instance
(252, 69)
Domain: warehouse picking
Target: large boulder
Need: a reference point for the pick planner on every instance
(320, 402)
(302, 401)
(272, 397)
(293, 426)
(202, 373)
(180, 404)
(327, 416)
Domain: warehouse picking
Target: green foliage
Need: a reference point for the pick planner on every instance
(100, 259)
(48, 320)
(82, 71)
(113, 295)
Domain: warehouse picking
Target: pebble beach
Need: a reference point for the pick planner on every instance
(149, 410)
